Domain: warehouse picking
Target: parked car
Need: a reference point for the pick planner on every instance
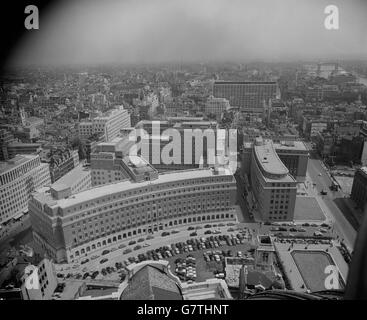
(132, 242)
(207, 232)
(105, 252)
(165, 233)
(103, 260)
(127, 251)
(193, 234)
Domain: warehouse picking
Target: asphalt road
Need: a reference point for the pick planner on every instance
(341, 225)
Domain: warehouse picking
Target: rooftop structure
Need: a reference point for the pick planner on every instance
(269, 162)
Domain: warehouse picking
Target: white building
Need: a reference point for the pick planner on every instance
(19, 177)
(109, 124)
(75, 181)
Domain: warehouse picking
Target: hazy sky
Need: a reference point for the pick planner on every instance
(89, 31)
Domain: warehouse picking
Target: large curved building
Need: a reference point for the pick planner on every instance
(102, 217)
(273, 186)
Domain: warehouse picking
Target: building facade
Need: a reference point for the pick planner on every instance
(273, 188)
(216, 106)
(294, 155)
(246, 95)
(109, 124)
(19, 177)
(96, 219)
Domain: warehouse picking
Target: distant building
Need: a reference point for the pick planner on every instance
(109, 124)
(195, 143)
(312, 126)
(216, 106)
(19, 177)
(61, 162)
(15, 148)
(247, 95)
(31, 128)
(359, 188)
(5, 139)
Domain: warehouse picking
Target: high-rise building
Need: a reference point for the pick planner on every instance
(19, 177)
(96, 219)
(109, 124)
(248, 96)
(273, 188)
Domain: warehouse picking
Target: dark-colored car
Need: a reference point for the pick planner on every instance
(105, 252)
(165, 233)
(132, 242)
(103, 260)
(207, 232)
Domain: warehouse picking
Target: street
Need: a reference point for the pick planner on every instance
(341, 225)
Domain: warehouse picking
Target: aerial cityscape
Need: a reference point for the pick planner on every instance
(188, 176)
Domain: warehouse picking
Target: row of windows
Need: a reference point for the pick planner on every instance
(124, 195)
(177, 222)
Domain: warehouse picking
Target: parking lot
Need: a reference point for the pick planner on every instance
(197, 247)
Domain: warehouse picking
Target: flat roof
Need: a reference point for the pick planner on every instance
(290, 145)
(269, 160)
(15, 162)
(105, 190)
(70, 178)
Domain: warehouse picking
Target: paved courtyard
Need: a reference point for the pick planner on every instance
(304, 268)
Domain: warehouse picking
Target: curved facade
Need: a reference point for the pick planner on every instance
(272, 186)
(101, 217)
